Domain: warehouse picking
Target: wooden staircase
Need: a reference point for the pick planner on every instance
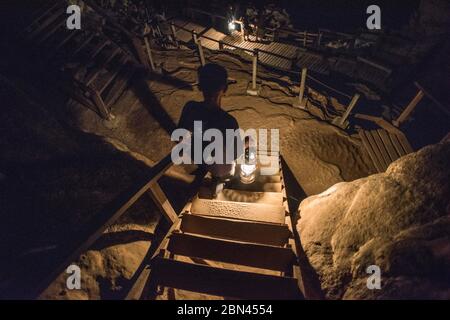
(99, 68)
(238, 245)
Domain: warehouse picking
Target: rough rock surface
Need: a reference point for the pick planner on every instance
(398, 220)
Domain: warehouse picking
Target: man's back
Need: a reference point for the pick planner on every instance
(211, 117)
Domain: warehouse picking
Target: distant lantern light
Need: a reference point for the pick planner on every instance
(231, 26)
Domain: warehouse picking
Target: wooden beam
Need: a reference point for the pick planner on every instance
(232, 251)
(102, 108)
(249, 231)
(163, 204)
(409, 109)
(222, 282)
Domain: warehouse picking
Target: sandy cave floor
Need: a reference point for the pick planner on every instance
(318, 153)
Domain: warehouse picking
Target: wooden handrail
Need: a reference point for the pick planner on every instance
(231, 45)
(110, 213)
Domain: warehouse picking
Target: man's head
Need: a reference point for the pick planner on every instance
(212, 80)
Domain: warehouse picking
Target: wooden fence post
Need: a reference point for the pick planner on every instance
(253, 91)
(174, 34)
(162, 203)
(299, 103)
(102, 108)
(319, 38)
(342, 121)
(149, 53)
(304, 39)
(409, 109)
(200, 52)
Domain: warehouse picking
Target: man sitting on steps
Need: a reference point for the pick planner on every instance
(213, 83)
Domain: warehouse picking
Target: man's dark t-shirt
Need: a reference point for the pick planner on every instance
(211, 118)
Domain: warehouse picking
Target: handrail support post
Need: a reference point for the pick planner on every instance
(253, 90)
(301, 102)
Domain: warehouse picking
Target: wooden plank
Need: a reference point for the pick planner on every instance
(230, 251)
(393, 155)
(222, 282)
(82, 45)
(98, 48)
(398, 147)
(113, 74)
(119, 86)
(60, 23)
(94, 74)
(257, 232)
(404, 142)
(239, 210)
(163, 204)
(273, 198)
(66, 39)
(259, 184)
(42, 15)
(381, 147)
(375, 150)
(369, 150)
(46, 23)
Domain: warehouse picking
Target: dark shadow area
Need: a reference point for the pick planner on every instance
(151, 102)
(294, 190)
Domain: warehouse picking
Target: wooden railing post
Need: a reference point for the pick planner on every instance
(304, 39)
(199, 47)
(174, 34)
(101, 105)
(253, 91)
(149, 51)
(200, 52)
(342, 121)
(137, 43)
(163, 204)
(319, 38)
(409, 109)
(299, 103)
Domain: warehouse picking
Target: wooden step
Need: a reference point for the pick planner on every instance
(391, 152)
(273, 198)
(241, 230)
(230, 251)
(368, 145)
(44, 24)
(59, 23)
(42, 15)
(239, 210)
(94, 73)
(119, 85)
(103, 82)
(222, 282)
(259, 185)
(81, 45)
